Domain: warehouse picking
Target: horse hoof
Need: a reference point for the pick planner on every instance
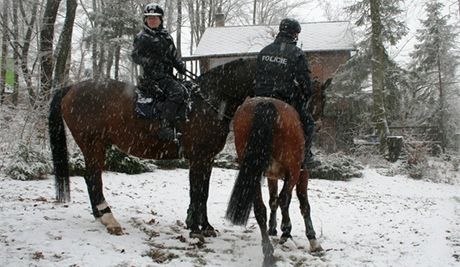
(115, 230)
(284, 238)
(272, 232)
(113, 227)
(315, 246)
(269, 261)
(209, 233)
(199, 236)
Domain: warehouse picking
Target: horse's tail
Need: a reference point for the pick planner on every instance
(58, 145)
(256, 160)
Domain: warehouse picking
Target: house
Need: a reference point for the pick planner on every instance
(327, 45)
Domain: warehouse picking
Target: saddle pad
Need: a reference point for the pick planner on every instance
(146, 107)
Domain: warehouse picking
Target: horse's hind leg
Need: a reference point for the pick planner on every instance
(260, 212)
(302, 194)
(94, 161)
(273, 190)
(284, 202)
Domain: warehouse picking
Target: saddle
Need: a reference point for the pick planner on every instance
(148, 104)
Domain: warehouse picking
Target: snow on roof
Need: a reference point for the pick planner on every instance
(233, 40)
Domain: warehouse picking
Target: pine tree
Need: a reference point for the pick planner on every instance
(381, 28)
(434, 66)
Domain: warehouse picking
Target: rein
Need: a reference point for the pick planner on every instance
(210, 99)
(219, 110)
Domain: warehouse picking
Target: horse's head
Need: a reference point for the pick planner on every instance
(318, 98)
(231, 81)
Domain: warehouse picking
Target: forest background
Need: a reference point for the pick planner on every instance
(404, 71)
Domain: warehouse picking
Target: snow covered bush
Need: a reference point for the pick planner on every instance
(116, 161)
(337, 167)
(28, 164)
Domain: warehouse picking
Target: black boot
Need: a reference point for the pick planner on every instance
(309, 161)
(167, 132)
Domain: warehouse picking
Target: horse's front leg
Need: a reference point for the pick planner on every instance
(93, 179)
(273, 190)
(302, 194)
(197, 214)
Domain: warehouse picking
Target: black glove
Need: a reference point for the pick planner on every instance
(181, 68)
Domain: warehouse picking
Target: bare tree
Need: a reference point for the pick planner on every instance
(64, 43)
(46, 47)
(169, 14)
(15, 45)
(179, 27)
(268, 12)
(4, 59)
(378, 54)
(29, 17)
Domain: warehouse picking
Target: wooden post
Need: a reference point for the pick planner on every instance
(395, 144)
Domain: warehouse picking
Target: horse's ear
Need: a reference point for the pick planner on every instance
(326, 84)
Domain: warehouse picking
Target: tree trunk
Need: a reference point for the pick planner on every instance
(46, 47)
(4, 58)
(15, 95)
(254, 12)
(203, 18)
(108, 68)
(442, 114)
(192, 22)
(377, 63)
(169, 10)
(94, 44)
(179, 27)
(102, 60)
(64, 44)
(25, 49)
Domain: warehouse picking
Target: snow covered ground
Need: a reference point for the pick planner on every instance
(371, 221)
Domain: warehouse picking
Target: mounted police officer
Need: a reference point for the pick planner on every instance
(282, 73)
(155, 51)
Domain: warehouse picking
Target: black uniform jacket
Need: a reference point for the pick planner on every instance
(155, 51)
(282, 71)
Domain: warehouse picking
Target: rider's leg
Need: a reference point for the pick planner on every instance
(174, 100)
(309, 131)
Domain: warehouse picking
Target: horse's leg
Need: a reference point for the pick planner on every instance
(260, 212)
(197, 214)
(284, 202)
(302, 194)
(273, 190)
(94, 161)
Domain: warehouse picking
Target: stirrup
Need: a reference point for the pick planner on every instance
(168, 133)
(310, 163)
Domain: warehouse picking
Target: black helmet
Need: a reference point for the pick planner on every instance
(290, 26)
(153, 9)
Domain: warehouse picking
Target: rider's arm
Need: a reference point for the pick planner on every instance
(177, 60)
(139, 53)
(302, 75)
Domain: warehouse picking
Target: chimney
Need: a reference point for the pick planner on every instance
(220, 18)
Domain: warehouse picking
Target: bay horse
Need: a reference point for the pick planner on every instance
(269, 141)
(101, 113)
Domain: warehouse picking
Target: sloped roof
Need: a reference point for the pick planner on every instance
(236, 40)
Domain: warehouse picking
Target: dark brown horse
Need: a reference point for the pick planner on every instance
(269, 141)
(101, 113)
